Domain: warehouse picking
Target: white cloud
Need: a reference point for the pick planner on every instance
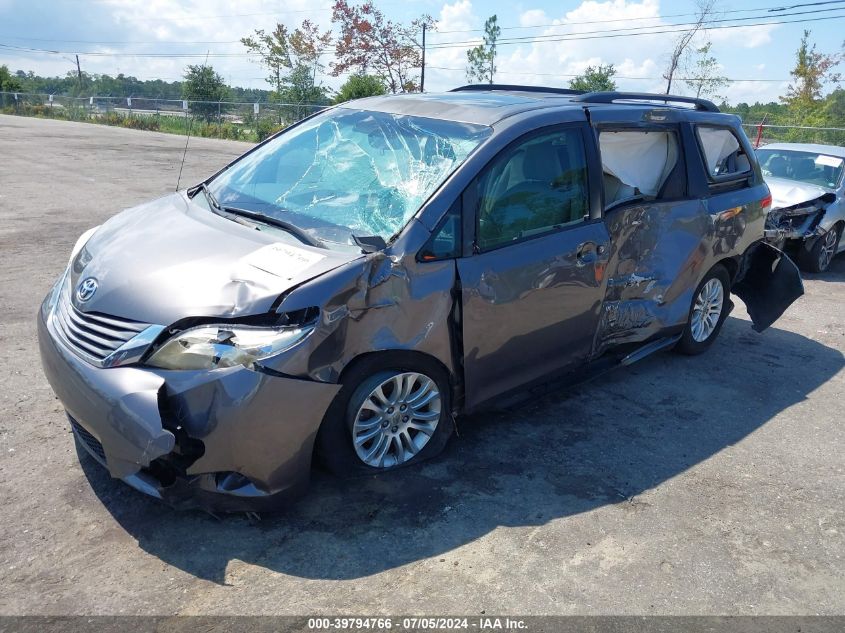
(639, 60)
(162, 27)
(745, 37)
(555, 62)
(533, 17)
(171, 26)
(445, 66)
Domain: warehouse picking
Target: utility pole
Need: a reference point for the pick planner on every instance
(422, 73)
(79, 72)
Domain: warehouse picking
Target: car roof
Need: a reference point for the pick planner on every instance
(813, 148)
(486, 105)
(483, 108)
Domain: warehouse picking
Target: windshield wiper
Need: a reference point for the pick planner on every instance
(208, 195)
(294, 230)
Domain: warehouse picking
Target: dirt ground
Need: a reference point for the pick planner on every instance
(704, 485)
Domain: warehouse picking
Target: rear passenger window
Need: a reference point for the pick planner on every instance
(534, 187)
(640, 165)
(723, 153)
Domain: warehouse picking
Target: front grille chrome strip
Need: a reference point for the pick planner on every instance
(100, 339)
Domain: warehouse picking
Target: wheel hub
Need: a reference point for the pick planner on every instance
(396, 420)
(707, 310)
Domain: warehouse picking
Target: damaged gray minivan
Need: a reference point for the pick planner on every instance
(347, 287)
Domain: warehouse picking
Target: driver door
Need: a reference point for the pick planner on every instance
(533, 288)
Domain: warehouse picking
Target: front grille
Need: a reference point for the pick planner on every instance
(89, 440)
(92, 335)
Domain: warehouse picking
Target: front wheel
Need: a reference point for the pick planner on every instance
(708, 312)
(818, 258)
(386, 418)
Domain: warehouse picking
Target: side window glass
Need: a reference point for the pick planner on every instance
(640, 165)
(445, 243)
(723, 153)
(535, 187)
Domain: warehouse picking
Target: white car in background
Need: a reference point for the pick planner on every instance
(808, 200)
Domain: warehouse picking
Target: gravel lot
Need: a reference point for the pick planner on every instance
(704, 485)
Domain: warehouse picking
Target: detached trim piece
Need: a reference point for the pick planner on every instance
(768, 283)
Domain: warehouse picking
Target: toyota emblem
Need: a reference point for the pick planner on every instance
(86, 289)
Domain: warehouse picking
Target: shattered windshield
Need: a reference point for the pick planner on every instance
(349, 172)
(809, 167)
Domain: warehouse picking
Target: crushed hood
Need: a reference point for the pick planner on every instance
(788, 193)
(171, 258)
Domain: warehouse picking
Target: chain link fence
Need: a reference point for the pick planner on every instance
(215, 119)
(765, 133)
(256, 121)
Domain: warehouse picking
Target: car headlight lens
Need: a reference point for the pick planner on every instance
(53, 296)
(215, 346)
(81, 242)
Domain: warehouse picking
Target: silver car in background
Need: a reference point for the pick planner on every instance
(808, 200)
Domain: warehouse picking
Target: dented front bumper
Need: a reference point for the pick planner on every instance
(228, 439)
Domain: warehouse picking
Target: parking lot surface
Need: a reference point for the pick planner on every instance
(706, 485)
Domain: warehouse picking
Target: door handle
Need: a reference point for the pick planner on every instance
(586, 253)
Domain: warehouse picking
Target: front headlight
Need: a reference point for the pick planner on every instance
(81, 242)
(53, 296)
(214, 346)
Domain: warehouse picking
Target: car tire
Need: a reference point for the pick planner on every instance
(344, 423)
(704, 322)
(818, 258)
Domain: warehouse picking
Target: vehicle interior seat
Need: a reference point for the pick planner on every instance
(777, 166)
(803, 169)
(539, 190)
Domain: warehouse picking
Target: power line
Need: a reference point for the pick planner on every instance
(590, 35)
(655, 17)
(576, 37)
(636, 29)
(508, 72)
(193, 18)
(504, 28)
(607, 34)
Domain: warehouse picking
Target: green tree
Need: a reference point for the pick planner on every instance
(202, 83)
(813, 70)
(285, 53)
(834, 108)
(704, 75)
(369, 43)
(704, 13)
(274, 51)
(595, 78)
(359, 86)
(299, 94)
(9, 82)
(481, 60)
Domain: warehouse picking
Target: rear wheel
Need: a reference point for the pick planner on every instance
(386, 418)
(708, 312)
(818, 258)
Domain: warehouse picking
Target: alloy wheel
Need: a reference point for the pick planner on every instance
(707, 310)
(396, 420)
(828, 248)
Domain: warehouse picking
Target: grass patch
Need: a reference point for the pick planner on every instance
(250, 130)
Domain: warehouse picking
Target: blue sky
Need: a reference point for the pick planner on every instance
(107, 33)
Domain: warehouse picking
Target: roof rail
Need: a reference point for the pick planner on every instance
(515, 88)
(612, 97)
